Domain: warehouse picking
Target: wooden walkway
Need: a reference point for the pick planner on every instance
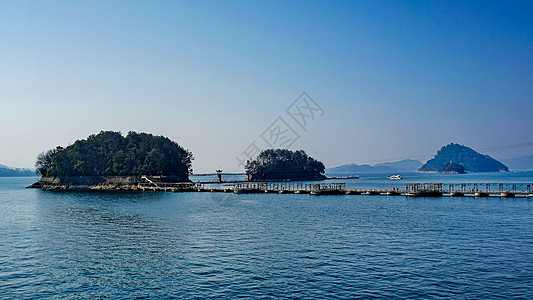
(411, 189)
(153, 184)
(472, 189)
(289, 187)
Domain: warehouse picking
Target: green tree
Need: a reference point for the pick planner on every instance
(283, 164)
(44, 160)
(109, 153)
(452, 167)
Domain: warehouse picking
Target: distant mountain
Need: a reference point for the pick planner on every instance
(468, 157)
(407, 165)
(6, 171)
(520, 163)
(353, 168)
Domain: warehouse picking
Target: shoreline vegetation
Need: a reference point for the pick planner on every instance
(109, 160)
(284, 165)
(452, 168)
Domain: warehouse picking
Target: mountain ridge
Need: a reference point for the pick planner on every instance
(406, 165)
(6, 171)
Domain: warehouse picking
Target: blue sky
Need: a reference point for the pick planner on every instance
(396, 79)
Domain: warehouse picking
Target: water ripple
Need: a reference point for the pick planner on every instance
(190, 245)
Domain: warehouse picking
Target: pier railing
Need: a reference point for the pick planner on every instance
(471, 188)
(431, 189)
(153, 183)
(289, 186)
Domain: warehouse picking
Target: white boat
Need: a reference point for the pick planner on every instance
(395, 177)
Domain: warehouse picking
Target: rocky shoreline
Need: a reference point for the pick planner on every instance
(88, 183)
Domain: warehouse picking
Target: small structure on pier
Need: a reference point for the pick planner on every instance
(219, 175)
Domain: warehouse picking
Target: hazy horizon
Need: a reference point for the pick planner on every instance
(349, 82)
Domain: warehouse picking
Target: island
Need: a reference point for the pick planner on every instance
(284, 165)
(471, 160)
(109, 160)
(452, 168)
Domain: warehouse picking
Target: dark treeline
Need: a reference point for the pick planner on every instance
(109, 154)
(452, 167)
(283, 164)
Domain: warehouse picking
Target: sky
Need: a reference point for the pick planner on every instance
(348, 82)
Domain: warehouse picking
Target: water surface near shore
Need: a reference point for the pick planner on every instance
(205, 245)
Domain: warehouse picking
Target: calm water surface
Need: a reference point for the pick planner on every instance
(200, 245)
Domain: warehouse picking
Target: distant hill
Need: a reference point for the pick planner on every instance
(353, 168)
(407, 165)
(6, 171)
(469, 158)
(520, 163)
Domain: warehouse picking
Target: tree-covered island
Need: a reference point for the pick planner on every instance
(283, 164)
(471, 160)
(109, 154)
(452, 168)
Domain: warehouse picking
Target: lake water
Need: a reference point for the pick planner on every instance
(201, 245)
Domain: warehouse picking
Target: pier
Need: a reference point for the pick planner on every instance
(290, 187)
(504, 190)
(152, 183)
(469, 189)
